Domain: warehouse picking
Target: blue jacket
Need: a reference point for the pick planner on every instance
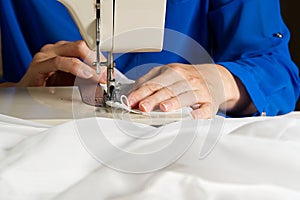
(248, 37)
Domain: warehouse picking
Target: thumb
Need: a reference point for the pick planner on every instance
(205, 111)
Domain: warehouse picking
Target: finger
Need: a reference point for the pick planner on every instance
(83, 51)
(165, 78)
(62, 42)
(165, 93)
(91, 59)
(41, 57)
(205, 111)
(143, 92)
(77, 49)
(72, 49)
(103, 76)
(185, 99)
(182, 100)
(66, 64)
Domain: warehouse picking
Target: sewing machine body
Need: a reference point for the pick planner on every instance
(118, 26)
(125, 25)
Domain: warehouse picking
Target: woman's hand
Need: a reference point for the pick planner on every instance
(207, 88)
(71, 57)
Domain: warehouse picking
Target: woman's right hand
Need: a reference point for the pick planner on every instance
(71, 57)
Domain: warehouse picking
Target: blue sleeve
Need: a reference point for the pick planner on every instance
(26, 26)
(251, 41)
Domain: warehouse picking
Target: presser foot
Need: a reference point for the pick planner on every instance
(92, 94)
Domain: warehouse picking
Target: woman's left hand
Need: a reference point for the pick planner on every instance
(206, 87)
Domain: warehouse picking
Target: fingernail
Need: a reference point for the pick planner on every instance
(87, 73)
(145, 106)
(166, 106)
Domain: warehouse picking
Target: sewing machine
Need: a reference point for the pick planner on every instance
(111, 26)
(118, 26)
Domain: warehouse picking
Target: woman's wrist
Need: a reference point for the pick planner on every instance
(237, 99)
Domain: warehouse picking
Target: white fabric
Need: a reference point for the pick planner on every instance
(255, 158)
(123, 104)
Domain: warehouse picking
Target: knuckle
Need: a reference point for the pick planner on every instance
(138, 96)
(176, 66)
(151, 87)
(62, 42)
(75, 63)
(57, 62)
(80, 44)
(192, 80)
(80, 48)
(47, 47)
(39, 56)
(169, 92)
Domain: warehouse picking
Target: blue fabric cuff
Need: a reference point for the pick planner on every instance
(246, 77)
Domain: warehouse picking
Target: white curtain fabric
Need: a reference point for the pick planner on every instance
(253, 158)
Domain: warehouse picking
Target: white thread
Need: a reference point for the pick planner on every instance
(124, 105)
(126, 101)
(127, 106)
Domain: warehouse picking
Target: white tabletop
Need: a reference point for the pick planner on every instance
(55, 105)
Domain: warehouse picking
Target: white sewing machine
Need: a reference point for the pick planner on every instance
(118, 26)
(112, 26)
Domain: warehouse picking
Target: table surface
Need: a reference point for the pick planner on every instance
(55, 105)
